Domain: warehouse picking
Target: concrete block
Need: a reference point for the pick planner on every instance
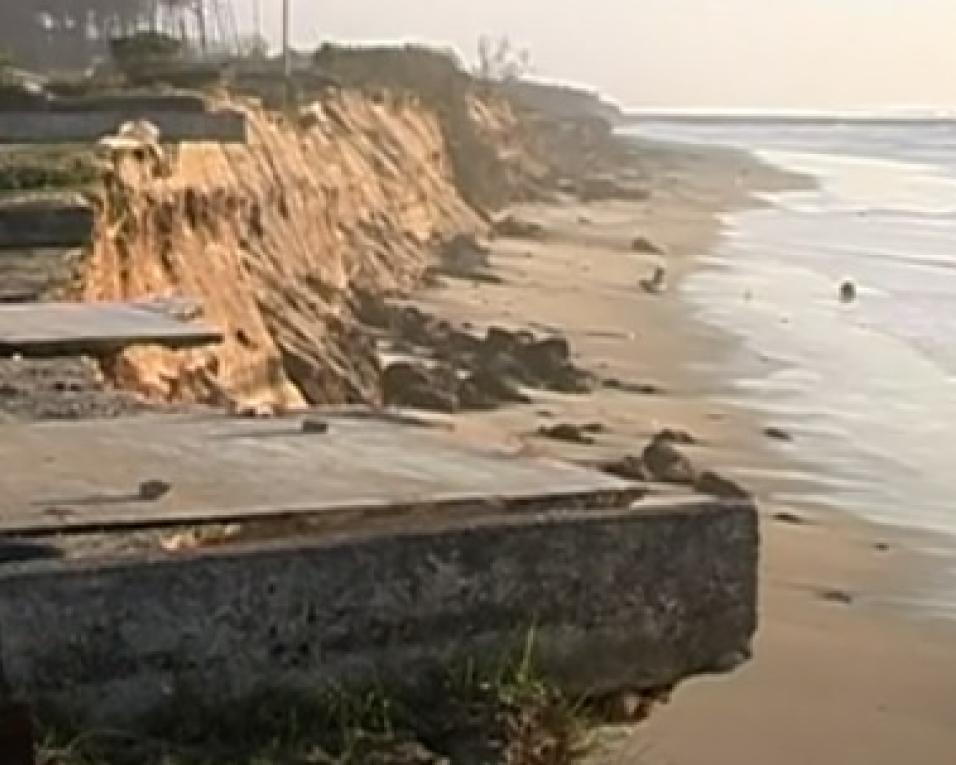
(628, 597)
(73, 329)
(359, 468)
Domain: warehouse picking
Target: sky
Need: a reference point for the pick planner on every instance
(784, 54)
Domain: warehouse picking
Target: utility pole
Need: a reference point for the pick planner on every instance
(286, 50)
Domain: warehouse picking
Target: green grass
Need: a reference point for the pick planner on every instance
(502, 714)
(47, 170)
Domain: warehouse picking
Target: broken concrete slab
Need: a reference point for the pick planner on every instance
(175, 126)
(42, 223)
(634, 597)
(72, 329)
(484, 549)
(354, 468)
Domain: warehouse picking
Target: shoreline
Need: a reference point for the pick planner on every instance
(826, 647)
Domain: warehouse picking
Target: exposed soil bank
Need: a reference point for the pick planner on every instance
(269, 239)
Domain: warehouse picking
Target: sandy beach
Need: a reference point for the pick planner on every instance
(836, 678)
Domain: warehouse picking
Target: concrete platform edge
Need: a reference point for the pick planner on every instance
(616, 598)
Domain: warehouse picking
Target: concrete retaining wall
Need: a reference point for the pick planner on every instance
(45, 127)
(619, 598)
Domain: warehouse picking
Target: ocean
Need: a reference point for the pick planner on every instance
(868, 388)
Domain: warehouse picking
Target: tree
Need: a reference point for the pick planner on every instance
(500, 61)
(60, 34)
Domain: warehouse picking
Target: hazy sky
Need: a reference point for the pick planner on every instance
(735, 53)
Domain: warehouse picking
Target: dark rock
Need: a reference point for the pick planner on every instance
(494, 388)
(664, 462)
(717, 486)
(464, 255)
(642, 244)
(790, 518)
(153, 489)
(881, 547)
(676, 437)
(415, 386)
(574, 434)
(494, 366)
(548, 355)
(839, 597)
(847, 292)
(517, 228)
(629, 467)
(643, 389)
(569, 379)
(402, 346)
(473, 398)
(373, 310)
(401, 376)
(430, 399)
(499, 339)
(657, 284)
(730, 661)
(778, 434)
(432, 278)
(315, 426)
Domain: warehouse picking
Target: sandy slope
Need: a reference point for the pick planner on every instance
(831, 682)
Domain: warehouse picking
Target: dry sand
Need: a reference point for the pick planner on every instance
(834, 680)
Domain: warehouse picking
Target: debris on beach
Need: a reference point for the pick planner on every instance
(847, 292)
(575, 434)
(643, 389)
(153, 490)
(676, 436)
(643, 244)
(716, 485)
(777, 434)
(516, 228)
(665, 462)
(418, 386)
(657, 283)
(838, 597)
(628, 467)
(662, 461)
(790, 518)
(315, 426)
(464, 370)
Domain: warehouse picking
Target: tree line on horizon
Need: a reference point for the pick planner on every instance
(70, 34)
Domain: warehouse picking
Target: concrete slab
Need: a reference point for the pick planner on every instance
(634, 597)
(69, 329)
(87, 475)
(175, 126)
(42, 224)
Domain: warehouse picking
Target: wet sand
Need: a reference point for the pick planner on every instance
(837, 677)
